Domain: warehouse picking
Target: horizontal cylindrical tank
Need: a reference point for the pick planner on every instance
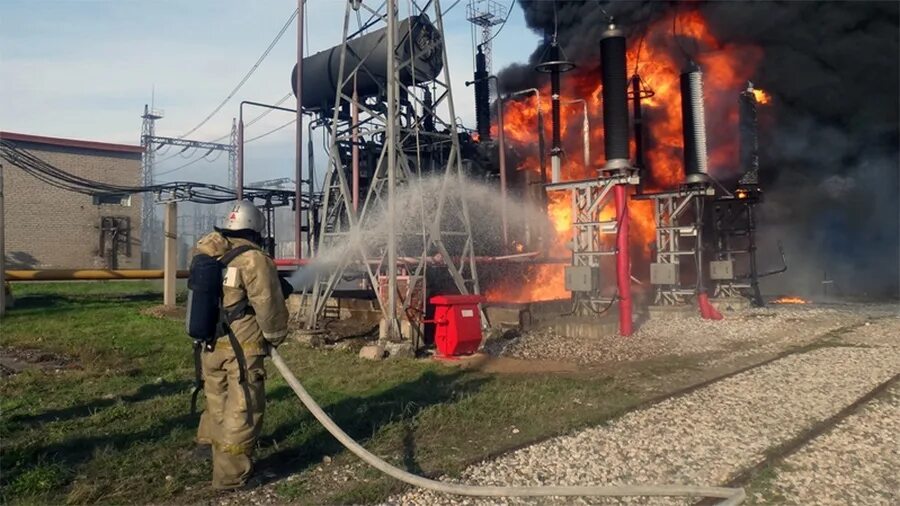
(418, 40)
(693, 126)
(615, 97)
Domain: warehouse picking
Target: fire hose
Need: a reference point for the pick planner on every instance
(729, 496)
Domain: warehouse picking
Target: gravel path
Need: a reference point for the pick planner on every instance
(858, 462)
(702, 438)
(765, 330)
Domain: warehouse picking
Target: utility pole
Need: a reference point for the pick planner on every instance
(170, 254)
(298, 176)
(391, 140)
(2, 248)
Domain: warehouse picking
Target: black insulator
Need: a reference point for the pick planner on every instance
(428, 120)
(749, 139)
(482, 97)
(615, 97)
(556, 142)
(693, 126)
(638, 113)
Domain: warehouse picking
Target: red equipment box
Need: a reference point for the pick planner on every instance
(457, 322)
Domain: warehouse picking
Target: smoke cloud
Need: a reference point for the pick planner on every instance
(829, 142)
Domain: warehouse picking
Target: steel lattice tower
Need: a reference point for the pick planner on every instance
(445, 231)
(232, 157)
(148, 218)
(485, 14)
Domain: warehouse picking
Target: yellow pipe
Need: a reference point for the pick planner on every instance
(86, 274)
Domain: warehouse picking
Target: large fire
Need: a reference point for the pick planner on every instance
(659, 60)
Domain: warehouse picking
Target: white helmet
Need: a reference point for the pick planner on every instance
(245, 216)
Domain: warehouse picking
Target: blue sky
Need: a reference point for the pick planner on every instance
(85, 68)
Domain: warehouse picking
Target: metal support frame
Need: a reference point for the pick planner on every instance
(486, 14)
(151, 143)
(734, 236)
(398, 165)
(676, 216)
(233, 156)
(593, 238)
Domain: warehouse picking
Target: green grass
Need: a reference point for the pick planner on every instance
(118, 429)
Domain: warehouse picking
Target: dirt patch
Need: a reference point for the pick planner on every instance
(506, 365)
(166, 312)
(16, 360)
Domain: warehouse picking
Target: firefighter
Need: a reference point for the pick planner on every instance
(233, 372)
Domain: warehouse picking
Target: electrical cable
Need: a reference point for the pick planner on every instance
(204, 157)
(246, 77)
(729, 496)
(180, 190)
(260, 136)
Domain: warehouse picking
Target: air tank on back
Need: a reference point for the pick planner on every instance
(417, 39)
(693, 122)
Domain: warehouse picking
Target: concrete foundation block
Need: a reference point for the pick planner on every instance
(584, 329)
(504, 317)
(372, 352)
(399, 350)
(730, 303)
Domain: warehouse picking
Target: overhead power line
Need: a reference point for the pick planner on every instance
(260, 136)
(243, 80)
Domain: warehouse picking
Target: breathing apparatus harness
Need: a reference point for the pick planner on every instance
(207, 317)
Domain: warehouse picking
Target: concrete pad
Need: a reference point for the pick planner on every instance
(661, 311)
(584, 329)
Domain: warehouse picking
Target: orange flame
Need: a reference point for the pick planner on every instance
(761, 96)
(789, 300)
(726, 69)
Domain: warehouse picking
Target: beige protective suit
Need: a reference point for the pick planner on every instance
(233, 416)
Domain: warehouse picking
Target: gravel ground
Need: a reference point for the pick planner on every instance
(702, 438)
(765, 330)
(855, 463)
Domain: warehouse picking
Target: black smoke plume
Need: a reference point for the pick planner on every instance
(829, 155)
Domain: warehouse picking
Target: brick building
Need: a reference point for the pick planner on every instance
(48, 227)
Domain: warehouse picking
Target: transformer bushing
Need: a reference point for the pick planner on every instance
(482, 97)
(555, 65)
(615, 98)
(693, 124)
